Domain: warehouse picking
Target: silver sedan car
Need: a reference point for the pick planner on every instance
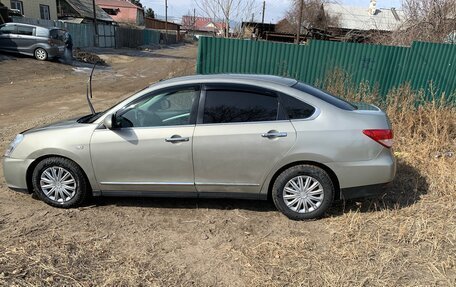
(216, 136)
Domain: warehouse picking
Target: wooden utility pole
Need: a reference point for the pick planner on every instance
(166, 21)
(95, 36)
(262, 15)
(194, 21)
(298, 30)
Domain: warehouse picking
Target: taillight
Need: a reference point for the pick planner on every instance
(383, 137)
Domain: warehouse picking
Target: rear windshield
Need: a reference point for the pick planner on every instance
(57, 34)
(325, 96)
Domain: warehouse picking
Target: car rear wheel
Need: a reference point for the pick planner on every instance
(59, 182)
(303, 192)
(41, 54)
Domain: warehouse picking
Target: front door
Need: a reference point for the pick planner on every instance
(8, 37)
(241, 137)
(151, 149)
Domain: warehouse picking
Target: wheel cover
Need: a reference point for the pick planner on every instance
(303, 194)
(58, 184)
(41, 54)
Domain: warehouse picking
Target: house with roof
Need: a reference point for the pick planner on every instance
(255, 30)
(81, 11)
(38, 9)
(339, 23)
(203, 25)
(123, 11)
(358, 24)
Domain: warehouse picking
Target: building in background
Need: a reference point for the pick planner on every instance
(81, 11)
(203, 25)
(163, 26)
(359, 24)
(347, 24)
(256, 30)
(38, 9)
(123, 11)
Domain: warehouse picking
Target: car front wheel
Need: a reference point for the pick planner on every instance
(59, 182)
(41, 54)
(303, 192)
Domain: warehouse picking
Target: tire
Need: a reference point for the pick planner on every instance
(41, 54)
(65, 176)
(310, 203)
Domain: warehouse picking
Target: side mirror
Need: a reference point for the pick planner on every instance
(109, 121)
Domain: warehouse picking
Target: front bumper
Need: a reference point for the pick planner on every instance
(15, 172)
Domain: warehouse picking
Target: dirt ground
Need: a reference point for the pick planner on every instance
(181, 242)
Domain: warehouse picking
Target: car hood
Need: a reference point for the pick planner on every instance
(57, 125)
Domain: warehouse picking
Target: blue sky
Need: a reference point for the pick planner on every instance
(275, 9)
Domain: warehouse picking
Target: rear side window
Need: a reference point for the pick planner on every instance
(232, 106)
(295, 108)
(42, 32)
(25, 30)
(324, 96)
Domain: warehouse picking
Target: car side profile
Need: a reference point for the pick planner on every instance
(39, 42)
(212, 136)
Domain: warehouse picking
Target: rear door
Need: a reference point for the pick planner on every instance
(241, 133)
(57, 37)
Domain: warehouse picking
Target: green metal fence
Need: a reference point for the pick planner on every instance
(108, 36)
(386, 67)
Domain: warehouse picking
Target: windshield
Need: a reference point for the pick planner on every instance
(88, 119)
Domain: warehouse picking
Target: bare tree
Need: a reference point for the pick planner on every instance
(228, 10)
(313, 15)
(429, 20)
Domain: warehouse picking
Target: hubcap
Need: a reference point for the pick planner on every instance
(58, 184)
(303, 194)
(41, 54)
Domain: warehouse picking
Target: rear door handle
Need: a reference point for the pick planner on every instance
(176, 139)
(274, 134)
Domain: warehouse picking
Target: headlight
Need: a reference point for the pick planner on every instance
(17, 140)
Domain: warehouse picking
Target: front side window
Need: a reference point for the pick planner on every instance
(169, 108)
(7, 29)
(25, 30)
(18, 5)
(232, 106)
(44, 12)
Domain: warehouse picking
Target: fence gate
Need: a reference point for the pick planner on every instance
(106, 36)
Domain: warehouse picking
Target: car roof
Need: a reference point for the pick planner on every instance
(29, 25)
(234, 78)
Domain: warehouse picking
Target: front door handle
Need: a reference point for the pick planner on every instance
(176, 139)
(274, 134)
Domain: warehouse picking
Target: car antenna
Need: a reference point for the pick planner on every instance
(89, 89)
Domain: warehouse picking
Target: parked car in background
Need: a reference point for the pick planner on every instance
(239, 136)
(40, 42)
